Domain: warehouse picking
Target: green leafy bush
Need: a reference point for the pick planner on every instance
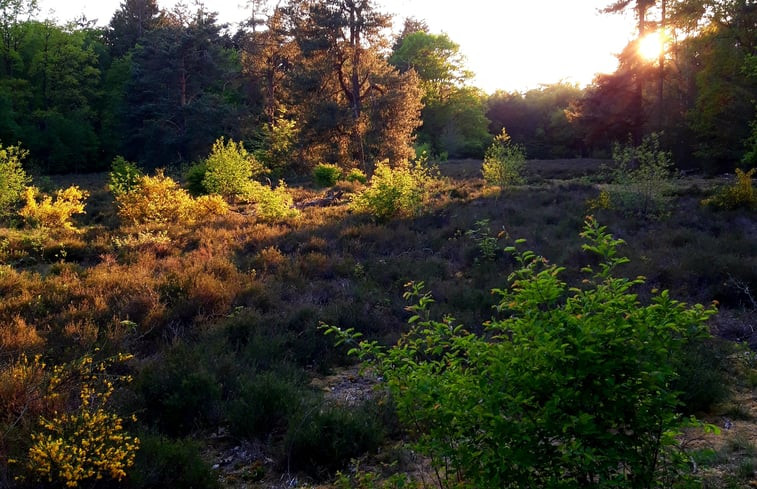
(569, 387)
(740, 194)
(229, 169)
(272, 204)
(124, 176)
(326, 174)
(642, 176)
(356, 175)
(396, 192)
(277, 143)
(504, 162)
(13, 178)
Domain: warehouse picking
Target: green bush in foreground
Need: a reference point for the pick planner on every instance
(569, 388)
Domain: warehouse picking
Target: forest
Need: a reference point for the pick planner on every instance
(309, 252)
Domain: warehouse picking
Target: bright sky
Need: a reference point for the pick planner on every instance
(509, 44)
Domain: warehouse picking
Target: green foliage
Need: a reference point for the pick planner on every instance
(642, 176)
(13, 178)
(124, 176)
(373, 480)
(179, 395)
(487, 244)
(230, 169)
(740, 194)
(396, 192)
(162, 462)
(322, 440)
(326, 174)
(356, 175)
(504, 162)
(194, 177)
(537, 119)
(265, 403)
(278, 145)
(569, 387)
(272, 204)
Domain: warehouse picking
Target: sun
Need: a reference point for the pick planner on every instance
(652, 45)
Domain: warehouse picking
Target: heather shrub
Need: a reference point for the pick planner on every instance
(53, 214)
(124, 176)
(321, 440)
(326, 174)
(396, 192)
(642, 176)
(740, 194)
(163, 462)
(178, 393)
(504, 162)
(229, 169)
(565, 387)
(263, 404)
(13, 178)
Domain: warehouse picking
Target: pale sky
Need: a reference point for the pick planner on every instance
(509, 44)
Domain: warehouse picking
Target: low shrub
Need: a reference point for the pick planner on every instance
(57, 214)
(568, 387)
(206, 206)
(13, 178)
(229, 169)
(504, 162)
(326, 174)
(194, 177)
(156, 200)
(263, 404)
(272, 204)
(321, 441)
(740, 194)
(179, 395)
(162, 463)
(642, 178)
(159, 201)
(124, 176)
(89, 443)
(396, 192)
(356, 175)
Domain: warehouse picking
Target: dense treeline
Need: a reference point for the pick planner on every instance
(313, 81)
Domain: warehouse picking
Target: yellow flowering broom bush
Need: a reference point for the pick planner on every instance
(88, 443)
(53, 214)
